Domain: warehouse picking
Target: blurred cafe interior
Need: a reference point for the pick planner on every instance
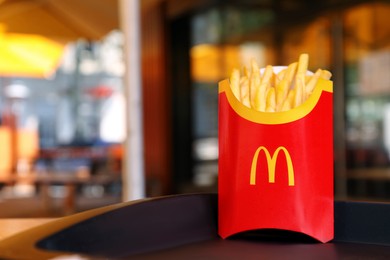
(64, 95)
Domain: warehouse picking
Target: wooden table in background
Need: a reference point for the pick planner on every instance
(11, 226)
(69, 180)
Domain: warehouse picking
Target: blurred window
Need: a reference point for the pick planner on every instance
(226, 37)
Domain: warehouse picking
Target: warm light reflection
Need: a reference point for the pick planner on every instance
(212, 62)
(206, 63)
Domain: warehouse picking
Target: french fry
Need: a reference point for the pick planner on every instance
(281, 74)
(326, 74)
(303, 63)
(272, 92)
(235, 83)
(267, 75)
(286, 106)
(299, 92)
(247, 72)
(269, 109)
(312, 82)
(281, 92)
(244, 91)
(290, 73)
(300, 79)
(270, 100)
(260, 102)
(255, 81)
(288, 102)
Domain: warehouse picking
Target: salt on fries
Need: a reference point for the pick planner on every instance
(275, 92)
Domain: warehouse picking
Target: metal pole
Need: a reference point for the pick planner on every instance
(133, 162)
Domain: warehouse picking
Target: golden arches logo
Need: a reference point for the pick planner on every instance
(271, 161)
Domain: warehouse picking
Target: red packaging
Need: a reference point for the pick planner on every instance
(276, 168)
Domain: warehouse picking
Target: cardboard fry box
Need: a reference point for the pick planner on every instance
(276, 169)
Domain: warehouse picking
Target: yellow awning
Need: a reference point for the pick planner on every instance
(28, 55)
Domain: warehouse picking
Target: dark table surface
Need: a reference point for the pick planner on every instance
(185, 227)
(260, 249)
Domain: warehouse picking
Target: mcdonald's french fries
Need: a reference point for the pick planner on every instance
(276, 92)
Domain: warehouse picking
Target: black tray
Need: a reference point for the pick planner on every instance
(185, 227)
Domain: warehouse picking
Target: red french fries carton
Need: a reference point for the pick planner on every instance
(276, 168)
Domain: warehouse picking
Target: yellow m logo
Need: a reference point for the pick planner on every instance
(271, 161)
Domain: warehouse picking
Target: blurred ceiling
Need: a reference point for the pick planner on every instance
(296, 11)
(68, 20)
(62, 20)
(287, 10)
